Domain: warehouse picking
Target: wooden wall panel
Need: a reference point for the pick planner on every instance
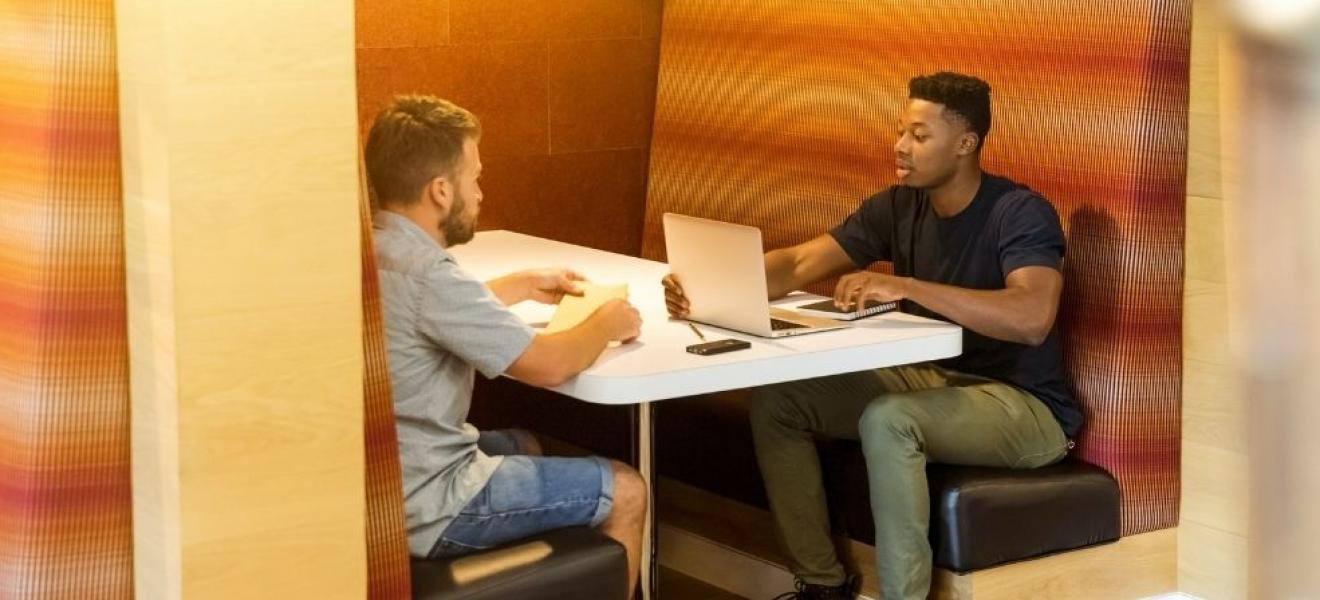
(565, 91)
(1212, 534)
(245, 307)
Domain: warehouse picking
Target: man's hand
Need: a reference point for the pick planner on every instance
(619, 320)
(554, 358)
(549, 286)
(856, 289)
(675, 301)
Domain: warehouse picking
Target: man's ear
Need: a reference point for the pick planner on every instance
(439, 192)
(967, 143)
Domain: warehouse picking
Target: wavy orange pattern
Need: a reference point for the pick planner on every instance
(65, 479)
(387, 545)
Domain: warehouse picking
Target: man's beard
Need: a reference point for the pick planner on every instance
(456, 231)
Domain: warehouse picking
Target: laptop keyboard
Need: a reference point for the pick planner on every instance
(780, 325)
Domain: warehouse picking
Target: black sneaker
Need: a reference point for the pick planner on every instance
(810, 591)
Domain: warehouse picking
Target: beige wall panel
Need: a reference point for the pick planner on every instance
(1203, 104)
(1215, 483)
(1205, 322)
(1207, 260)
(1138, 566)
(1212, 534)
(1214, 413)
(240, 174)
(1212, 563)
(1203, 153)
(248, 42)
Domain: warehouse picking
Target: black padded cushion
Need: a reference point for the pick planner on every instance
(981, 517)
(574, 562)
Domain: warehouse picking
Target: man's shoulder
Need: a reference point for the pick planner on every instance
(1013, 198)
(419, 262)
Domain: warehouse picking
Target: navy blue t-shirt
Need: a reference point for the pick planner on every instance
(1007, 226)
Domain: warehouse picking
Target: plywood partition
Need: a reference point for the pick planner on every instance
(1213, 532)
(244, 298)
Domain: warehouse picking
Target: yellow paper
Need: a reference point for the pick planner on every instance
(575, 309)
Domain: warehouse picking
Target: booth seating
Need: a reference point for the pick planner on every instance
(778, 118)
(981, 517)
(784, 120)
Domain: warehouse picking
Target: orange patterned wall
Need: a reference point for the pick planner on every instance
(65, 493)
(565, 90)
(781, 113)
(387, 543)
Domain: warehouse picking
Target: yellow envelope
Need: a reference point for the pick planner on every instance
(575, 309)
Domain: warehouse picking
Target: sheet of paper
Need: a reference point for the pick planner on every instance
(575, 309)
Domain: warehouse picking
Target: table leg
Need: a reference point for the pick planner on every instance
(648, 581)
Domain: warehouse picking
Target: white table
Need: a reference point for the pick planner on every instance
(657, 367)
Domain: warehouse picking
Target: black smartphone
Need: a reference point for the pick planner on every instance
(718, 347)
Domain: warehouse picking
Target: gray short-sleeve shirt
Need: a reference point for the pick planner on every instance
(440, 325)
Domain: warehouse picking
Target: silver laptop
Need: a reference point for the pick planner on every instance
(722, 269)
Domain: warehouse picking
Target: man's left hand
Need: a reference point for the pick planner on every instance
(856, 289)
(549, 286)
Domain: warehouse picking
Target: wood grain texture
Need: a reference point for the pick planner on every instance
(1138, 566)
(1212, 535)
(244, 285)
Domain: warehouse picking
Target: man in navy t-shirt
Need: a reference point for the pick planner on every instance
(969, 247)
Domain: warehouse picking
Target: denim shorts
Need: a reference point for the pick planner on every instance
(527, 495)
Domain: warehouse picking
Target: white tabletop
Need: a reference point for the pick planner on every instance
(657, 367)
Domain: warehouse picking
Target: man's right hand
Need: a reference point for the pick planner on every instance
(554, 358)
(675, 300)
(620, 320)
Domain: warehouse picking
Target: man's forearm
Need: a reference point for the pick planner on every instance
(1008, 314)
(779, 272)
(510, 289)
(557, 357)
(788, 269)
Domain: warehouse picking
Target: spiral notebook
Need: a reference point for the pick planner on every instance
(828, 310)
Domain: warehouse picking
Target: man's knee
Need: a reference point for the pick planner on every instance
(773, 406)
(630, 492)
(888, 418)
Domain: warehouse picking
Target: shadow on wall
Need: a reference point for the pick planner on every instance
(1089, 317)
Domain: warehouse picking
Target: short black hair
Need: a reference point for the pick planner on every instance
(963, 96)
